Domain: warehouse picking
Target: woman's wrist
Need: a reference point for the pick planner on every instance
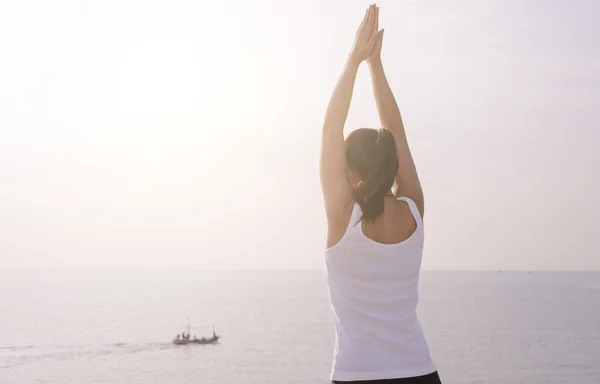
(352, 63)
(374, 62)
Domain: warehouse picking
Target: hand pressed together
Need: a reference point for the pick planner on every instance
(367, 42)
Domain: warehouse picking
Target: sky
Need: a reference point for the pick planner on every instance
(185, 134)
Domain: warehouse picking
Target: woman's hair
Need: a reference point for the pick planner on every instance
(371, 154)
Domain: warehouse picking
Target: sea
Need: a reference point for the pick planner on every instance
(88, 327)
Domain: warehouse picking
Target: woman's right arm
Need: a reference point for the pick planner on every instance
(407, 180)
(337, 191)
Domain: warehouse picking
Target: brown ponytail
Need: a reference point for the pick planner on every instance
(372, 155)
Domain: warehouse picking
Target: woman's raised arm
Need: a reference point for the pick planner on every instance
(337, 191)
(407, 180)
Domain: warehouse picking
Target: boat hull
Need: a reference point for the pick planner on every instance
(212, 340)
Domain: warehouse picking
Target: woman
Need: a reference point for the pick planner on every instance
(374, 206)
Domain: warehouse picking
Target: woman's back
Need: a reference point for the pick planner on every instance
(373, 275)
(396, 224)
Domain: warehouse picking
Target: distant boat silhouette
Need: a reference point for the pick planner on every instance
(184, 339)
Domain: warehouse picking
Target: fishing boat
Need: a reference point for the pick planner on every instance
(185, 339)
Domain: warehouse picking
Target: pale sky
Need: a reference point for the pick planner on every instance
(185, 134)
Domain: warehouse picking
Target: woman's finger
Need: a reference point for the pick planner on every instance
(372, 41)
(364, 20)
(374, 13)
(366, 17)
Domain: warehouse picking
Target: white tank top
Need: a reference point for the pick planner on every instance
(373, 290)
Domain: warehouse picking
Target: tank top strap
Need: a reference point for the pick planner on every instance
(354, 217)
(413, 209)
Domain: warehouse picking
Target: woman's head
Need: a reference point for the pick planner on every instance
(372, 165)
